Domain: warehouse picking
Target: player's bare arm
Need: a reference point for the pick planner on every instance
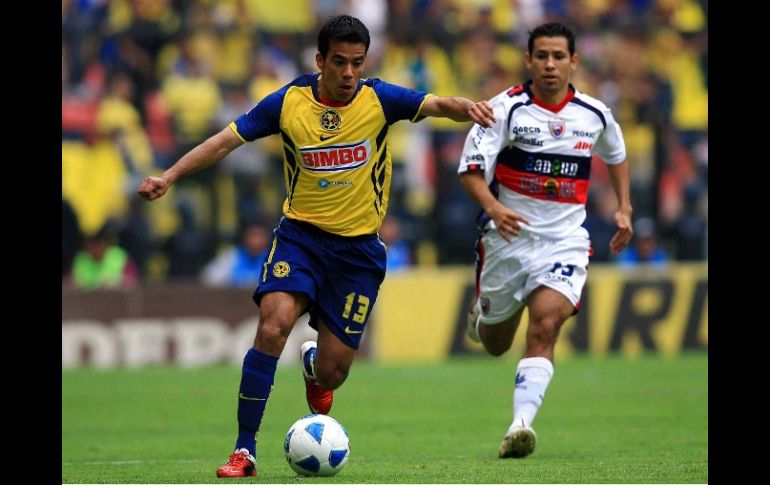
(204, 155)
(506, 220)
(620, 183)
(459, 109)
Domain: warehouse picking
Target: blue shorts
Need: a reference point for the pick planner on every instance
(341, 275)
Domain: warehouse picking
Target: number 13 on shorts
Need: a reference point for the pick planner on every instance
(361, 304)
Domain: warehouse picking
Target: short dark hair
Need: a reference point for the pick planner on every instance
(342, 28)
(552, 29)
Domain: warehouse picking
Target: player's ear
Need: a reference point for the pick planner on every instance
(574, 61)
(319, 61)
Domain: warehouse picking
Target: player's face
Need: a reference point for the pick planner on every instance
(551, 66)
(341, 70)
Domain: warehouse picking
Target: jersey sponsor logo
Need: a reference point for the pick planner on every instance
(585, 134)
(525, 129)
(583, 145)
(549, 188)
(326, 183)
(557, 128)
(336, 157)
(555, 167)
(545, 187)
(330, 120)
(544, 163)
(528, 141)
(281, 269)
(478, 135)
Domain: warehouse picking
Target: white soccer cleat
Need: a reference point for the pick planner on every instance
(308, 358)
(473, 315)
(519, 442)
(319, 399)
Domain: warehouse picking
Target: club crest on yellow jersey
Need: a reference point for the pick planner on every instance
(331, 120)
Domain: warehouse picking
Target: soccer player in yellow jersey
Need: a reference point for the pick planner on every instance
(326, 257)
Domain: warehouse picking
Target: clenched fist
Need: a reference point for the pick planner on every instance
(152, 188)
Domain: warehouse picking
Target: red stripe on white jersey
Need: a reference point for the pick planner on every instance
(555, 189)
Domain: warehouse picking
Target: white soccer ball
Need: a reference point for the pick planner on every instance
(317, 445)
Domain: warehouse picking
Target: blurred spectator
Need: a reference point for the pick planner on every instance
(192, 96)
(71, 237)
(102, 263)
(135, 235)
(248, 166)
(94, 177)
(398, 252)
(118, 118)
(186, 249)
(373, 13)
(645, 249)
(692, 227)
(145, 80)
(600, 223)
(240, 265)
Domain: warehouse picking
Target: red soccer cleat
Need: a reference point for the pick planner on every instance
(240, 464)
(319, 399)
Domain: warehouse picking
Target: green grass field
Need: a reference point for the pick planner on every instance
(604, 420)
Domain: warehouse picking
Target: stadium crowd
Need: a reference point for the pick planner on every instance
(143, 81)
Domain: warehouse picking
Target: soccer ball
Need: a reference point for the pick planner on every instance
(317, 445)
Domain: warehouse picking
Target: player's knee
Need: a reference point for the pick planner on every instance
(545, 328)
(331, 377)
(272, 335)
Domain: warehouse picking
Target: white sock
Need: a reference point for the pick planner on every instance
(532, 378)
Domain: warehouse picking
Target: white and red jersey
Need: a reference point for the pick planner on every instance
(537, 158)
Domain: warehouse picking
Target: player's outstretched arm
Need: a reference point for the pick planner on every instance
(506, 220)
(620, 183)
(459, 109)
(204, 155)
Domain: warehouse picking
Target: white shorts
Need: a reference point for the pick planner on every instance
(511, 271)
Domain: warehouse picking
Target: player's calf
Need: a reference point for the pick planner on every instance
(319, 399)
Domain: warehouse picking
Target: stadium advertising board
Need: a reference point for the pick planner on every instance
(420, 316)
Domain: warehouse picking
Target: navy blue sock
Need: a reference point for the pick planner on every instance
(257, 379)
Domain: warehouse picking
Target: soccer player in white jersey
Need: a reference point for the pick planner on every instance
(530, 173)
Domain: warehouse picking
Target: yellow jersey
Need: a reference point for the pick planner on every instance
(337, 166)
